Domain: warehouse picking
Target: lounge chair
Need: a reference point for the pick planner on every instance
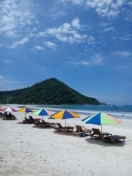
(10, 117)
(97, 134)
(81, 131)
(113, 138)
(30, 120)
(44, 124)
(1, 115)
(60, 128)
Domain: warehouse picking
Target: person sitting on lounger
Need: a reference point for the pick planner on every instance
(8, 114)
(31, 118)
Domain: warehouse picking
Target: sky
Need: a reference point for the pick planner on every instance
(86, 44)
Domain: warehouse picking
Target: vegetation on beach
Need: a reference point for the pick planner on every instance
(50, 92)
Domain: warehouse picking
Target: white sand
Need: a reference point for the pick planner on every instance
(29, 151)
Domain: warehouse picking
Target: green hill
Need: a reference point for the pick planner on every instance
(48, 92)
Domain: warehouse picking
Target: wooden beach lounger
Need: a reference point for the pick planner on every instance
(97, 134)
(30, 120)
(60, 128)
(113, 138)
(1, 115)
(12, 117)
(81, 131)
(44, 124)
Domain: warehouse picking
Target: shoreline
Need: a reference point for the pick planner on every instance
(117, 114)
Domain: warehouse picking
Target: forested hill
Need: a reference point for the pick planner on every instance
(49, 92)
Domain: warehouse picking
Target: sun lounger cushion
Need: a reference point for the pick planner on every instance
(60, 128)
(114, 138)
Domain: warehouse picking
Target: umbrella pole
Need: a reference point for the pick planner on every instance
(65, 122)
(101, 129)
(101, 133)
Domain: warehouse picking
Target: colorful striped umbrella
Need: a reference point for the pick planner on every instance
(64, 114)
(43, 112)
(101, 119)
(26, 110)
(9, 109)
(1, 109)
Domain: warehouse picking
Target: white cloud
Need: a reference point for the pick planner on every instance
(103, 24)
(1, 77)
(67, 32)
(126, 37)
(90, 40)
(123, 53)
(39, 48)
(3, 81)
(20, 42)
(7, 61)
(82, 62)
(111, 29)
(15, 16)
(109, 8)
(9, 84)
(58, 14)
(122, 68)
(97, 59)
(50, 45)
(76, 23)
(77, 1)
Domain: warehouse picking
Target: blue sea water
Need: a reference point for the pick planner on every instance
(121, 111)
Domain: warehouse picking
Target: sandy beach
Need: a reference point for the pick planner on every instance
(29, 151)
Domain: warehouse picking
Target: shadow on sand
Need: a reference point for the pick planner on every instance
(43, 127)
(25, 123)
(69, 133)
(119, 143)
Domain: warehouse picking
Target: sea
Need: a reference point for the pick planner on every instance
(124, 111)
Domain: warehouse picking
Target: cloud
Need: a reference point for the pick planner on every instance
(90, 39)
(122, 68)
(126, 37)
(76, 23)
(58, 14)
(50, 45)
(20, 42)
(103, 24)
(67, 32)
(1, 77)
(97, 59)
(9, 84)
(7, 61)
(3, 82)
(109, 8)
(39, 48)
(15, 17)
(123, 53)
(111, 29)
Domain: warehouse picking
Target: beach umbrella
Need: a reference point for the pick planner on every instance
(64, 114)
(43, 112)
(9, 109)
(26, 110)
(101, 119)
(1, 109)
